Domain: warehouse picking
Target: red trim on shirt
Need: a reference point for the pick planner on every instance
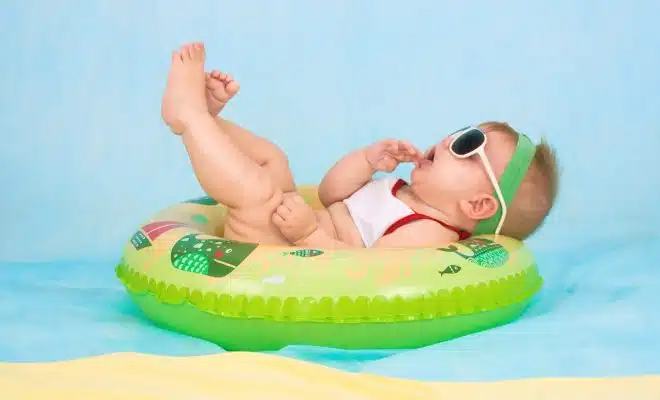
(462, 234)
(397, 185)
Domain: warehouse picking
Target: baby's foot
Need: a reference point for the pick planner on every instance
(220, 88)
(184, 94)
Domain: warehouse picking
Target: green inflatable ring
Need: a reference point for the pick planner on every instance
(243, 296)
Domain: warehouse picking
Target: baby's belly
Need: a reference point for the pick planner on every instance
(337, 222)
(255, 225)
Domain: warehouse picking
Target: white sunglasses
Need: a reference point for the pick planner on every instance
(471, 141)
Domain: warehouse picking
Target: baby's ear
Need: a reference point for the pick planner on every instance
(479, 207)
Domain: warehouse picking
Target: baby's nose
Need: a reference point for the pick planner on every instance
(445, 142)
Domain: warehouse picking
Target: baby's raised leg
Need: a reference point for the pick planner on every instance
(222, 87)
(223, 170)
(264, 152)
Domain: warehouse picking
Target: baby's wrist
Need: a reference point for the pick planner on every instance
(306, 239)
(369, 164)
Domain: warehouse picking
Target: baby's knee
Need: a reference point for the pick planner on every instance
(280, 171)
(276, 156)
(252, 187)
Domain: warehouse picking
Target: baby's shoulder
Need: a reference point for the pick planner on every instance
(418, 233)
(387, 182)
(376, 186)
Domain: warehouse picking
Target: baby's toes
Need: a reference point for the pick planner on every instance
(232, 88)
(214, 84)
(214, 77)
(197, 51)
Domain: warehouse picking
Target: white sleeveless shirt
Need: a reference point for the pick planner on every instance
(376, 211)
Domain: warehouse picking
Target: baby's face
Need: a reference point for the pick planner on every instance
(442, 180)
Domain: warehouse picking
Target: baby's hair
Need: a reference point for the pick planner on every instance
(537, 192)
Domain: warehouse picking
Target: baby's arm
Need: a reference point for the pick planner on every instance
(298, 222)
(348, 175)
(354, 170)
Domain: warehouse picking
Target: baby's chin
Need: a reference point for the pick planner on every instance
(416, 177)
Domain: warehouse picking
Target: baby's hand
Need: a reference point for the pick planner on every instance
(386, 155)
(295, 218)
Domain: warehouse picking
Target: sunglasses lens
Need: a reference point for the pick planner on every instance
(468, 142)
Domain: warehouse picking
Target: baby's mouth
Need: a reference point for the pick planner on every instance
(424, 162)
(428, 160)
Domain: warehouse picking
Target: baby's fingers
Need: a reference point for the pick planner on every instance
(410, 149)
(392, 146)
(278, 220)
(407, 152)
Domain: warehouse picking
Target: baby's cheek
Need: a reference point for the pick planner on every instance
(455, 180)
(450, 175)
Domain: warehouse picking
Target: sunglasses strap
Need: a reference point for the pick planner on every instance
(510, 181)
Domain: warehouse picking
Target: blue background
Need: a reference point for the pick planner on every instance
(85, 157)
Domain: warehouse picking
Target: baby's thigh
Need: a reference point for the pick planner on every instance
(254, 222)
(280, 172)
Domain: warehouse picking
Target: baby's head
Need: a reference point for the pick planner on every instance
(461, 188)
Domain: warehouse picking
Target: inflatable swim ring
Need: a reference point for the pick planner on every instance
(243, 296)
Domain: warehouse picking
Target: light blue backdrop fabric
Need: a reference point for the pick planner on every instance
(85, 156)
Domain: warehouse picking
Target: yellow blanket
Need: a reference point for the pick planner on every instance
(259, 376)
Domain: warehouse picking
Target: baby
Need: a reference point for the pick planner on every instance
(478, 180)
